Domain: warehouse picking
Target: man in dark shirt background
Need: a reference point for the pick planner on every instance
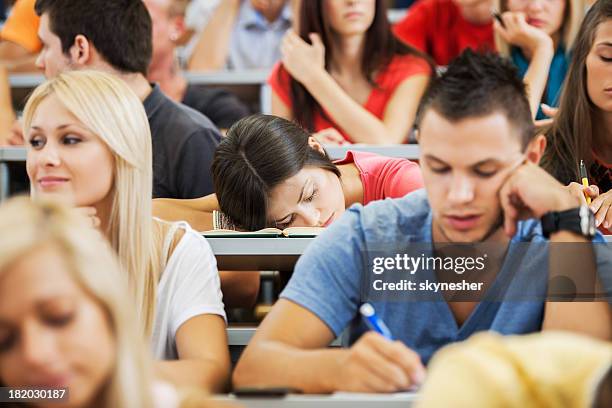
(115, 36)
(220, 106)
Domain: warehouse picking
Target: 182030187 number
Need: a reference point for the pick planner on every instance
(8, 394)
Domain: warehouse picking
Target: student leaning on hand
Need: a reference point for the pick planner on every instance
(479, 156)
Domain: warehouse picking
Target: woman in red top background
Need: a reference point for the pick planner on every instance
(445, 28)
(350, 77)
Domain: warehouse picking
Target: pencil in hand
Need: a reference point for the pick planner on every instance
(584, 178)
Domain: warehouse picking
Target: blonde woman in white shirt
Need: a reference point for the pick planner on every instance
(89, 142)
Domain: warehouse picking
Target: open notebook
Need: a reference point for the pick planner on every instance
(224, 228)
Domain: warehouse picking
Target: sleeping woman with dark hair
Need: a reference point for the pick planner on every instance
(269, 172)
(351, 78)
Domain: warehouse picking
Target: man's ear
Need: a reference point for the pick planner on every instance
(81, 52)
(536, 148)
(314, 144)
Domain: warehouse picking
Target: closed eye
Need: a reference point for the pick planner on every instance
(485, 174)
(6, 342)
(312, 196)
(286, 223)
(440, 170)
(59, 321)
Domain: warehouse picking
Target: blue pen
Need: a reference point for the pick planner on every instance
(374, 322)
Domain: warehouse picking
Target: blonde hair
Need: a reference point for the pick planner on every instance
(109, 108)
(574, 13)
(92, 265)
(546, 369)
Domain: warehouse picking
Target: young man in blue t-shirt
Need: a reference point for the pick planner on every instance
(482, 186)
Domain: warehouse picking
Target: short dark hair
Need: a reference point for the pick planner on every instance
(120, 30)
(477, 84)
(258, 153)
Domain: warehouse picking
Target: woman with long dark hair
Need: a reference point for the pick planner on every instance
(346, 76)
(269, 172)
(582, 129)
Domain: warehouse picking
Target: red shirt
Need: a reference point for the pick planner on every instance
(438, 28)
(384, 177)
(399, 69)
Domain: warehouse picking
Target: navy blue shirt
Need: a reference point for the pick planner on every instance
(184, 142)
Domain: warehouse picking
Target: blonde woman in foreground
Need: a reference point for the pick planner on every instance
(89, 143)
(64, 321)
(548, 369)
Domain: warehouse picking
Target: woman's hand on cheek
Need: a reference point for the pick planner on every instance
(518, 32)
(602, 207)
(300, 59)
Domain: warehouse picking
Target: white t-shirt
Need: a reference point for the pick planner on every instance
(189, 286)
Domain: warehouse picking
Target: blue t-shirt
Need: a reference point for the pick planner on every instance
(329, 278)
(556, 75)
